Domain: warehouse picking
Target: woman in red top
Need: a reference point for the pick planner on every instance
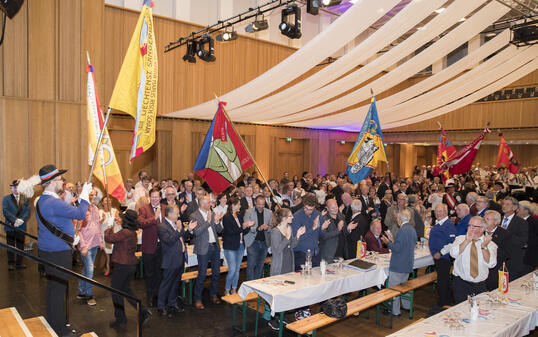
(123, 256)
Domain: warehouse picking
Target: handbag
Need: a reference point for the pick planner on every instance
(335, 308)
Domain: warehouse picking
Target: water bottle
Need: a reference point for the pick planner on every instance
(308, 261)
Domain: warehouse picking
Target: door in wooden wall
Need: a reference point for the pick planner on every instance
(339, 153)
(290, 156)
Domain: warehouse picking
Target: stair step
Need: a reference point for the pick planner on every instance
(39, 327)
(12, 324)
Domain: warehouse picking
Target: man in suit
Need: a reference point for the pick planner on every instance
(171, 233)
(525, 211)
(500, 194)
(258, 239)
(194, 204)
(367, 202)
(464, 215)
(383, 187)
(188, 195)
(481, 205)
(502, 239)
(16, 209)
(470, 199)
(247, 201)
(345, 207)
(150, 216)
(373, 238)
(442, 235)
(205, 226)
(355, 227)
(519, 229)
(391, 219)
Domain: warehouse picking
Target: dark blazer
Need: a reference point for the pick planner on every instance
(173, 254)
(148, 223)
(201, 234)
(495, 206)
(231, 233)
(184, 196)
(191, 208)
(531, 255)
(372, 244)
(244, 205)
(519, 229)
(13, 210)
(383, 187)
(503, 239)
(364, 210)
(355, 235)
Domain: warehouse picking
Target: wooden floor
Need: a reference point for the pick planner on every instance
(25, 290)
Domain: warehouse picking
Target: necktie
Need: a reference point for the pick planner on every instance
(379, 241)
(474, 260)
(505, 223)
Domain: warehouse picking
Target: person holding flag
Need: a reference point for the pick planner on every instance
(445, 150)
(369, 148)
(505, 156)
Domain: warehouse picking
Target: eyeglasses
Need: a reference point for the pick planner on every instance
(476, 226)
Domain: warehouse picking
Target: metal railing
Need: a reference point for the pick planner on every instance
(73, 274)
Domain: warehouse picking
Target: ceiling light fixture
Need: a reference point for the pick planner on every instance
(257, 25)
(208, 54)
(291, 30)
(190, 55)
(227, 36)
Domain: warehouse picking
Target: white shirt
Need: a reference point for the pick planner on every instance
(209, 229)
(462, 264)
(441, 221)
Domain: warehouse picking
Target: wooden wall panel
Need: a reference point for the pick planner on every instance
(339, 153)
(15, 55)
(41, 136)
(15, 143)
(42, 46)
(69, 50)
(70, 142)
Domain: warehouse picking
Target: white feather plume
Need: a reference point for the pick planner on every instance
(26, 186)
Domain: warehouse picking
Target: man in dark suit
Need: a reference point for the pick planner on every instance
(173, 258)
(383, 187)
(525, 211)
(520, 235)
(247, 201)
(355, 228)
(205, 226)
(500, 194)
(188, 195)
(367, 202)
(16, 209)
(193, 205)
(481, 205)
(150, 216)
(502, 239)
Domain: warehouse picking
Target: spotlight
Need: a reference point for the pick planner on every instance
(312, 6)
(227, 36)
(208, 54)
(10, 7)
(291, 30)
(257, 26)
(525, 34)
(330, 3)
(190, 55)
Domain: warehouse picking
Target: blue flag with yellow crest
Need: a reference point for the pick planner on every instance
(369, 148)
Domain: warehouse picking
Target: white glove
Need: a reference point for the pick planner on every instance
(85, 194)
(18, 222)
(76, 240)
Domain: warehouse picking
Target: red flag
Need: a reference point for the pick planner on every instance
(462, 160)
(223, 158)
(506, 157)
(445, 150)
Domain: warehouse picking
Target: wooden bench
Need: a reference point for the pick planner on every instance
(235, 300)
(39, 327)
(314, 322)
(407, 288)
(189, 277)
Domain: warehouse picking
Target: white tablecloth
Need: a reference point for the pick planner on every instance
(516, 318)
(307, 290)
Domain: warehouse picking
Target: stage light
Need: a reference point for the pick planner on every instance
(291, 30)
(525, 34)
(10, 7)
(227, 36)
(257, 26)
(190, 55)
(208, 54)
(330, 3)
(312, 6)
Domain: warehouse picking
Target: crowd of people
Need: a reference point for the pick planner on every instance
(475, 223)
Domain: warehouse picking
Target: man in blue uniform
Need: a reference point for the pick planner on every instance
(56, 237)
(441, 237)
(16, 209)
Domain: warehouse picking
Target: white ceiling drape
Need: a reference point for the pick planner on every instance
(327, 99)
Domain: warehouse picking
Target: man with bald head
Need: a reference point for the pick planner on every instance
(463, 213)
(329, 237)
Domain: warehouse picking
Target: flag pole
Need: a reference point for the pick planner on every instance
(388, 165)
(245, 146)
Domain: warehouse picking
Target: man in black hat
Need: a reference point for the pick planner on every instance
(16, 208)
(56, 239)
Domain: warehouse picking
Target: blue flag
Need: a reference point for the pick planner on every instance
(369, 148)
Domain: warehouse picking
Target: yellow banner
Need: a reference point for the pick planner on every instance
(106, 167)
(136, 88)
